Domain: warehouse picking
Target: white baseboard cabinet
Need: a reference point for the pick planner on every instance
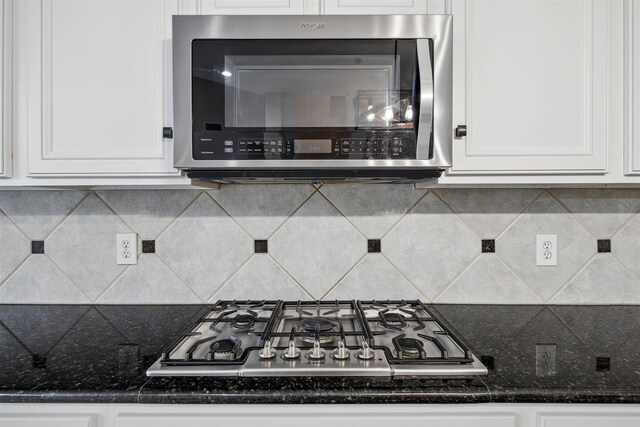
(381, 415)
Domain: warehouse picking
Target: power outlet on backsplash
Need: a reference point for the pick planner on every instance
(546, 360)
(127, 248)
(546, 249)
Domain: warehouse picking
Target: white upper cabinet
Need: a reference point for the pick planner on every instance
(5, 88)
(374, 7)
(530, 84)
(632, 89)
(99, 87)
(251, 7)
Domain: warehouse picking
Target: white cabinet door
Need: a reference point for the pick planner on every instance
(588, 419)
(632, 89)
(374, 7)
(321, 416)
(99, 87)
(530, 84)
(48, 420)
(52, 414)
(252, 7)
(5, 87)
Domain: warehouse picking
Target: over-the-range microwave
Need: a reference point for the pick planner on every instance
(312, 97)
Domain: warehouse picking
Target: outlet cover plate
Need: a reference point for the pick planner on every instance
(126, 248)
(547, 249)
(546, 360)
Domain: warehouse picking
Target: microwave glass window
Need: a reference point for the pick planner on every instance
(271, 85)
(325, 91)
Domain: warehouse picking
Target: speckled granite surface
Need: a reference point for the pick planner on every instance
(100, 354)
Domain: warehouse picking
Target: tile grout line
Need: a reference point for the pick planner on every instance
(542, 300)
(573, 276)
(406, 213)
(230, 216)
(73, 282)
(226, 281)
(290, 275)
(404, 276)
(346, 273)
(304, 202)
(178, 216)
(456, 277)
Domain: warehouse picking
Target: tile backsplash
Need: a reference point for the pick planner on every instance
(343, 241)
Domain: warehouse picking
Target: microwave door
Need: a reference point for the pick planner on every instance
(425, 99)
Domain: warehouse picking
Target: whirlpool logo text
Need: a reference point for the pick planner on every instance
(312, 26)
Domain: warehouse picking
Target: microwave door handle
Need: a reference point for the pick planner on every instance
(425, 118)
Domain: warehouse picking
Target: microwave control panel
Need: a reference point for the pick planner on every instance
(217, 146)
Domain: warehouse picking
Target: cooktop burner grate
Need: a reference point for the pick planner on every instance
(254, 337)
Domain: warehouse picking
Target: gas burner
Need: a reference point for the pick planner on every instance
(225, 349)
(409, 348)
(322, 326)
(245, 322)
(392, 320)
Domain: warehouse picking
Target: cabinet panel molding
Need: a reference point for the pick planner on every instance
(251, 7)
(374, 7)
(6, 140)
(632, 87)
(97, 103)
(591, 419)
(536, 101)
(48, 420)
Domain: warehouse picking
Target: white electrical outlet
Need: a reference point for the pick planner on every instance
(546, 249)
(127, 248)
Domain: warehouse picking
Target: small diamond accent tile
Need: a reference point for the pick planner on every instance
(373, 209)
(84, 246)
(148, 246)
(37, 246)
(261, 246)
(603, 281)
(489, 211)
(148, 282)
(625, 245)
(517, 246)
(38, 212)
(39, 281)
(488, 246)
(374, 245)
(604, 245)
(603, 364)
(374, 278)
(603, 211)
(431, 246)
(317, 245)
(15, 247)
(488, 281)
(261, 278)
(204, 247)
(148, 212)
(261, 209)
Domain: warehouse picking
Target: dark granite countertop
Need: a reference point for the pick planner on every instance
(53, 353)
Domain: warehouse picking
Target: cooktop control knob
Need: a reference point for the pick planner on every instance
(292, 352)
(341, 353)
(267, 352)
(317, 352)
(365, 352)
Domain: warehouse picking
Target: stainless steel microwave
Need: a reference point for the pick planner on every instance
(312, 97)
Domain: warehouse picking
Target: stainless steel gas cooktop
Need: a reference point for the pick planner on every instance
(393, 339)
